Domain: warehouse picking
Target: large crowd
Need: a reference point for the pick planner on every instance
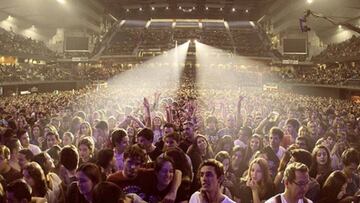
(12, 43)
(168, 145)
(246, 42)
(151, 139)
(328, 74)
(348, 49)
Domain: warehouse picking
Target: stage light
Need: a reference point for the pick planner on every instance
(193, 7)
(179, 7)
(247, 10)
(127, 10)
(339, 26)
(152, 8)
(140, 9)
(309, 1)
(207, 8)
(233, 9)
(61, 1)
(167, 7)
(221, 9)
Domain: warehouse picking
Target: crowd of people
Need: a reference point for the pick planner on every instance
(178, 145)
(348, 49)
(246, 42)
(12, 43)
(328, 74)
(57, 72)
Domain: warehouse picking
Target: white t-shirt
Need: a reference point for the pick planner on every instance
(283, 200)
(240, 143)
(34, 149)
(195, 198)
(280, 153)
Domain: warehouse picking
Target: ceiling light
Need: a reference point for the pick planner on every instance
(233, 9)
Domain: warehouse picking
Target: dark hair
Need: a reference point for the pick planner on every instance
(247, 131)
(277, 131)
(41, 160)
(107, 192)
(87, 141)
(37, 174)
(180, 162)
(118, 135)
(302, 156)
(69, 157)
(160, 162)
(332, 185)
(293, 122)
(146, 133)
(13, 143)
(173, 135)
(54, 153)
(28, 154)
(169, 125)
(20, 132)
(103, 125)
(135, 152)
(350, 156)
(20, 189)
(226, 139)
(219, 168)
(105, 156)
(314, 166)
(92, 171)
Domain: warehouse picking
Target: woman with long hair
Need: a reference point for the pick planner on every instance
(238, 165)
(257, 185)
(88, 176)
(229, 178)
(321, 164)
(156, 124)
(199, 151)
(182, 164)
(36, 133)
(85, 130)
(255, 144)
(86, 150)
(52, 179)
(225, 143)
(335, 154)
(164, 175)
(35, 177)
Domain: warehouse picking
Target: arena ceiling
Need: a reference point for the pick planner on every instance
(52, 13)
(210, 9)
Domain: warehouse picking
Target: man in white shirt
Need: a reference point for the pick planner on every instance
(296, 180)
(211, 178)
(275, 138)
(24, 138)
